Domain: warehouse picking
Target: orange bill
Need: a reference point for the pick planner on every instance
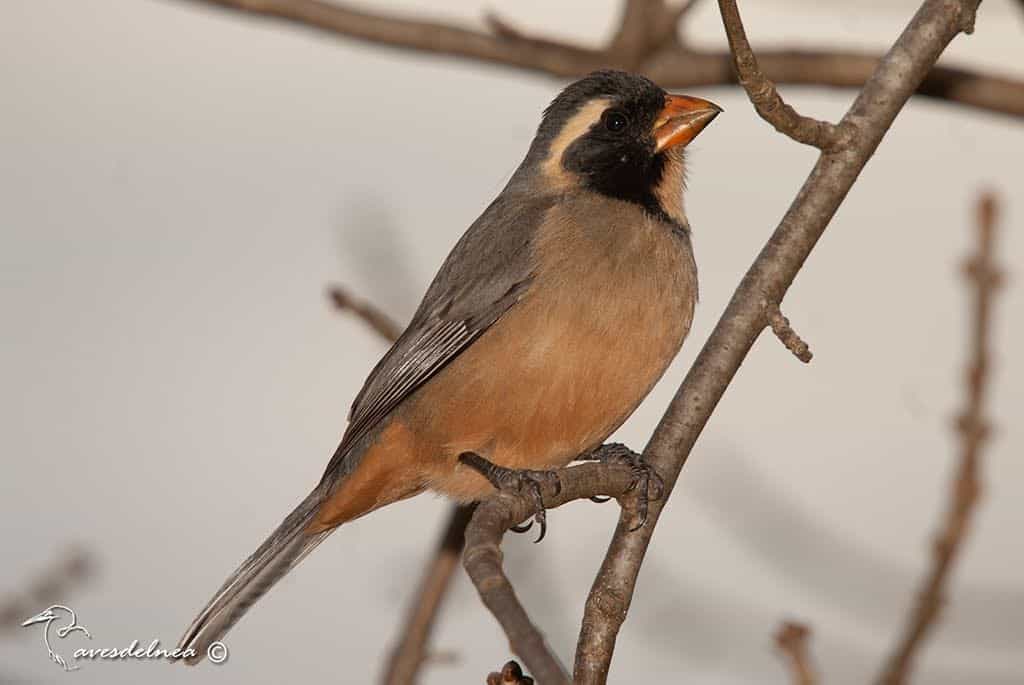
(682, 118)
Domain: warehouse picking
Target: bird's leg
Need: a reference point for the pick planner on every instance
(646, 481)
(516, 480)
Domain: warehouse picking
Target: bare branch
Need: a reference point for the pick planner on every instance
(764, 95)
(673, 66)
(424, 36)
(380, 322)
(896, 78)
(973, 430)
(411, 650)
(785, 333)
(483, 557)
(791, 639)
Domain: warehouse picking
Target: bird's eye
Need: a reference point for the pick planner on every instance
(614, 120)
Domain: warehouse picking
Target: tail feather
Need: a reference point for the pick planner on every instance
(278, 554)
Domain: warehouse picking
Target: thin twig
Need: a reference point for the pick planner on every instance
(784, 332)
(380, 322)
(972, 428)
(765, 96)
(791, 639)
(410, 652)
(898, 75)
(483, 557)
(674, 65)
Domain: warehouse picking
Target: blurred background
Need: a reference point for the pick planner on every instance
(179, 186)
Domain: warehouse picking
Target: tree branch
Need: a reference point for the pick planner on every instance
(483, 557)
(411, 650)
(765, 97)
(791, 639)
(672, 64)
(896, 78)
(973, 429)
(381, 323)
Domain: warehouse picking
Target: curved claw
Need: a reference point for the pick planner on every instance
(650, 486)
(541, 516)
(520, 480)
(599, 499)
(542, 519)
(647, 483)
(641, 514)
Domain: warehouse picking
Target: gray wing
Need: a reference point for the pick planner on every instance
(485, 274)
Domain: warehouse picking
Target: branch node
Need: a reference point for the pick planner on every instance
(511, 674)
(482, 556)
(968, 13)
(784, 332)
(501, 29)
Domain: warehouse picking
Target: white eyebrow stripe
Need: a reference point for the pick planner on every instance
(578, 124)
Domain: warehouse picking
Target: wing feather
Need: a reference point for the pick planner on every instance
(486, 273)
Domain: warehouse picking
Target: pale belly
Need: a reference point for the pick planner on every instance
(549, 381)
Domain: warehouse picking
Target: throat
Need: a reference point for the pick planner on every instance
(655, 207)
(659, 191)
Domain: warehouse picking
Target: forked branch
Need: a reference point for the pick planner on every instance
(483, 557)
(668, 61)
(897, 76)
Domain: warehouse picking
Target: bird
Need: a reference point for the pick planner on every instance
(47, 617)
(548, 323)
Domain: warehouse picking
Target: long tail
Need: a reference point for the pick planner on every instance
(279, 553)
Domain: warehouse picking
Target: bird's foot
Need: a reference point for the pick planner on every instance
(646, 481)
(517, 480)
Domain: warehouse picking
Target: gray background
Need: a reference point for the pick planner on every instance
(177, 187)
